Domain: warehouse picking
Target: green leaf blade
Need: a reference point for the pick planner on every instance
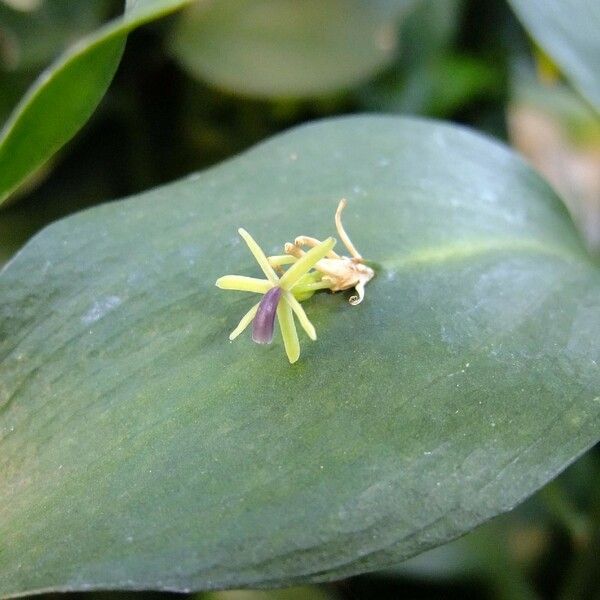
(64, 96)
(568, 32)
(139, 448)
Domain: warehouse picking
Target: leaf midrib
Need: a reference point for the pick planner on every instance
(434, 255)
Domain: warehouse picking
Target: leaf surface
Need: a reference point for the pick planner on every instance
(139, 448)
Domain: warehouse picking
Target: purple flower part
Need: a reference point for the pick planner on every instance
(264, 321)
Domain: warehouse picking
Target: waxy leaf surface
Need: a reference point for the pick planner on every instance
(139, 448)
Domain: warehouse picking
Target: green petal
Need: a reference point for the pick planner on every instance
(243, 284)
(304, 320)
(260, 257)
(288, 331)
(312, 286)
(305, 264)
(245, 321)
(282, 259)
(302, 296)
(305, 288)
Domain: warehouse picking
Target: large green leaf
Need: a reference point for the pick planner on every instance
(284, 48)
(141, 449)
(65, 95)
(569, 30)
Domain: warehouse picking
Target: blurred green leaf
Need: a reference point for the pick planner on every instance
(437, 87)
(507, 547)
(581, 124)
(299, 593)
(559, 134)
(429, 76)
(66, 94)
(455, 80)
(497, 553)
(139, 448)
(455, 560)
(429, 30)
(285, 48)
(569, 30)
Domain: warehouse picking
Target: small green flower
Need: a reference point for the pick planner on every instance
(295, 284)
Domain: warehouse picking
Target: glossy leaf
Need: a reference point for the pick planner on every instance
(139, 448)
(283, 48)
(569, 31)
(66, 94)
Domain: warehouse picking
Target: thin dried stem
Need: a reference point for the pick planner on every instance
(360, 288)
(342, 232)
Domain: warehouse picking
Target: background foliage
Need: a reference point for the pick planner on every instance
(174, 107)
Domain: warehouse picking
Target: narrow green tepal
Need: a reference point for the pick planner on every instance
(66, 94)
(140, 449)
